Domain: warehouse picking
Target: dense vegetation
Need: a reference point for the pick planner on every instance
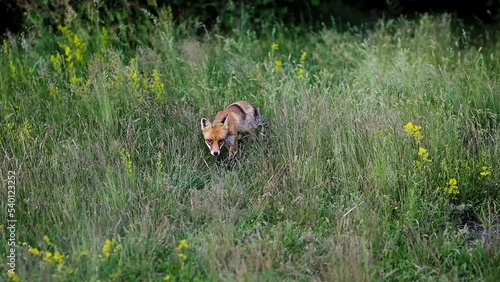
(381, 162)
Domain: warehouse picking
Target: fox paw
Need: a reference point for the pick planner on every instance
(230, 164)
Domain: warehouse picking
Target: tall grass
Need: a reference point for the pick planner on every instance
(113, 175)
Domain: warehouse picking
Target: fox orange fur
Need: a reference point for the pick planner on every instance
(238, 118)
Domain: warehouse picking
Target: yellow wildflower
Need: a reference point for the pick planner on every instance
(183, 244)
(5, 46)
(485, 171)
(167, 278)
(424, 154)
(452, 182)
(118, 248)
(27, 133)
(56, 61)
(48, 257)
(79, 55)
(67, 52)
(127, 159)
(86, 84)
(34, 251)
(68, 56)
(303, 58)
(75, 80)
(157, 84)
(13, 276)
(110, 247)
(106, 249)
(301, 73)
(159, 164)
(78, 43)
(54, 91)
(73, 47)
(105, 36)
(414, 131)
(182, 256)
(275, 46)
(63, 29)
(58, 257)
(452, 187)
(47, 240)
(278, 65)
(134, 75)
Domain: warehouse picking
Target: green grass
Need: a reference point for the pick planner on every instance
(108, 145)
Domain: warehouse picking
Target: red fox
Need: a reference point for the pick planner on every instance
(238, 118)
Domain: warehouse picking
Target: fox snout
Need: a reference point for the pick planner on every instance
(215, 148)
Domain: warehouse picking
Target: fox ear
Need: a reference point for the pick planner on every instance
(225, 121)
(204, 123)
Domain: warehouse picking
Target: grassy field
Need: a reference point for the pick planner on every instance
(381, 162)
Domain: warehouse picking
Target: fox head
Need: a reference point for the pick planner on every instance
(214, 134)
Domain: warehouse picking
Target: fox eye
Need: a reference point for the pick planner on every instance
(209, 141)
(221, 141)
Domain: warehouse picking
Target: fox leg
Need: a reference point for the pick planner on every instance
(253, 133)
(233, 149)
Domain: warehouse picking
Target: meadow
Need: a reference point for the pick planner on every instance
(380, 164)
